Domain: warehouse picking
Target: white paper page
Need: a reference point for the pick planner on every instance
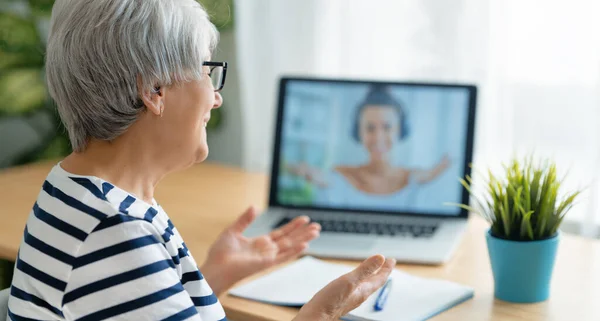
(292, 285)
(413, 299)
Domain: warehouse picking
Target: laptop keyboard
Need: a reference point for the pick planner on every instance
(374, 228)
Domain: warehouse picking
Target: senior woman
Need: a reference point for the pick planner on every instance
(135, 86)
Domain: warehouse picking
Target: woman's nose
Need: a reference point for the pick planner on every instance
(218, 100)
(380, 135)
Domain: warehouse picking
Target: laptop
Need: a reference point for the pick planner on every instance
(376, 163)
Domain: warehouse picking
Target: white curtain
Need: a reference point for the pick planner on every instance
(537, 65)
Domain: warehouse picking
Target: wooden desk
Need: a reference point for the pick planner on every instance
(204, 199)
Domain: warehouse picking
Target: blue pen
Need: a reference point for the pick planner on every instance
(383, 295)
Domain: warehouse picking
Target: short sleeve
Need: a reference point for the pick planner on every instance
(123, 272)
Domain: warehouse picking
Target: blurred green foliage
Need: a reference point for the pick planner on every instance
(300, 195)
(297, 190)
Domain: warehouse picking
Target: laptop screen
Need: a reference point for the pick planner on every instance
(373, 146)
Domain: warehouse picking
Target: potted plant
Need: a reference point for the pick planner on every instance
(525, 209)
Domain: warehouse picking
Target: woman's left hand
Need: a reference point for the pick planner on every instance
(234, 257)
(445, 162)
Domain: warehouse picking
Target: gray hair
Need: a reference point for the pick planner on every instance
(97, 49)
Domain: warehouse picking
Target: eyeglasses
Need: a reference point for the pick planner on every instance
(218, 71)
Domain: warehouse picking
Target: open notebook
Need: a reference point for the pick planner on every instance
(411, 298)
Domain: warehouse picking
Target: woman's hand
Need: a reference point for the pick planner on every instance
(234, 257)
(426, 176)
(445, 162)
(310, 174)
(347, 292)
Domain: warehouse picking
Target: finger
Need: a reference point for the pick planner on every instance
(377, 280)
(244, 220)
(294, 225)
(291, 253)
(286, 244)
(371, 284)
(309, 233)
(301, 235)
(367, 268)
(289, 227)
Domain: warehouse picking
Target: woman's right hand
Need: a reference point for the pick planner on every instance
(310, 174)
(347, 292)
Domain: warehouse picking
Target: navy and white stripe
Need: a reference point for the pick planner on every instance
(91, 251)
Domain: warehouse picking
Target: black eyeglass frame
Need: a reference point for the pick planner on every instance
(218, 64)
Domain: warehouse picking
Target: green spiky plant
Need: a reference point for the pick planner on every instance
(525, 204)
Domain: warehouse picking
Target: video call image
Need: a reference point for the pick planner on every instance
(381, 147)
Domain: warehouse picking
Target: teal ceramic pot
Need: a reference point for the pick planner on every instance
(522, 270)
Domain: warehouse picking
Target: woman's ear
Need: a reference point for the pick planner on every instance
(153, 99)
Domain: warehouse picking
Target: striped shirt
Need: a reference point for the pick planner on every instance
(92, 251)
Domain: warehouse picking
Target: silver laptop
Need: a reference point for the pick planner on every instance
(375, 163)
